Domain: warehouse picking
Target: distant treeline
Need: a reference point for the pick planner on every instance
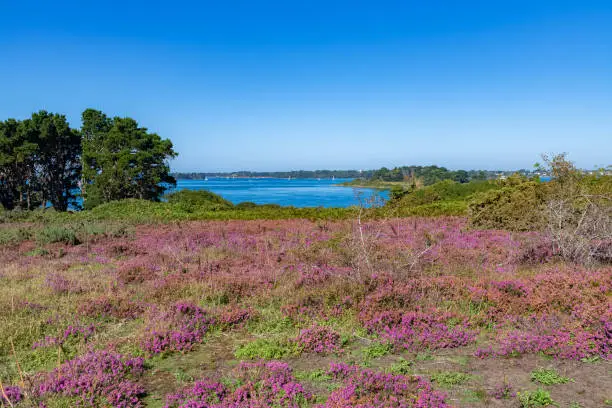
(426, 175)
(280, 174)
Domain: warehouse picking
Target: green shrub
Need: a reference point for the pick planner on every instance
(190, 199)
(54, 233)
(446, 190)
(376, 350)
(142, 211)
(442, 208)
(548, 377)
(245, 205)
(403, 367)
(516, 207)
(12, 236)
(443, 198)
(535, 399)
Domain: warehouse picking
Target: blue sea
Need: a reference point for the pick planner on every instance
(293, 192)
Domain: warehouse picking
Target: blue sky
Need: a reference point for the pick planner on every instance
(280, 85)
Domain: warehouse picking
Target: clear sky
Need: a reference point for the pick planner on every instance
(280, 85)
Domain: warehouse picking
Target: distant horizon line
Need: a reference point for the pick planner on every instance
(338, 170)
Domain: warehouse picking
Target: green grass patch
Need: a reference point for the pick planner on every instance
(376, 350)
(53, 233)
(449, 379)
(402, 366)
(13, 236)
(547, 376)
(319, 375)
(424, 356)
(271, 322)
(267, 349)
(474, 396)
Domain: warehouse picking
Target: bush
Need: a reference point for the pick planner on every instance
(516, 207)
(446, 190)
(13, 236)
(402, 367)
(53, 233)
(142, 211)
(190, 199)
(246, 205)
(441, 208)
(548, 377)
(376, 350)
(535, 399)
(443, 198)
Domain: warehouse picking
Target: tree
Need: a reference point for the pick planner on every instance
(461, 176)
(57, 158)
(122, 160)
(39, 162)
(579, 212)
(16, 166)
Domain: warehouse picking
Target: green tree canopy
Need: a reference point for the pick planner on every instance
(39, 162)
(122, 160)
(58, 165)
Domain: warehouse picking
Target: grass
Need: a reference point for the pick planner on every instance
(318, 375)
(12, 236)
(376, 350)
(402, 366)
(548, 376)
(447, 379)
(266, 349)
(53, 233)
(474, 396)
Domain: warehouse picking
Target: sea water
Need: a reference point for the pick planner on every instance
(286, 192)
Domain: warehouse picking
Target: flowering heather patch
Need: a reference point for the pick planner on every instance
(557, 343)
(12, 393)
(261, 385)
(234, 316)
(312, 275)
(552, 336)
(183, 326)
(72, 331)
(95, 377)
(416, 287)
(117, 307)
(304, 309)
(513, 288)
(317, 339)
(419, 330)
(59, 284)
(137, 270)
(370, 389)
